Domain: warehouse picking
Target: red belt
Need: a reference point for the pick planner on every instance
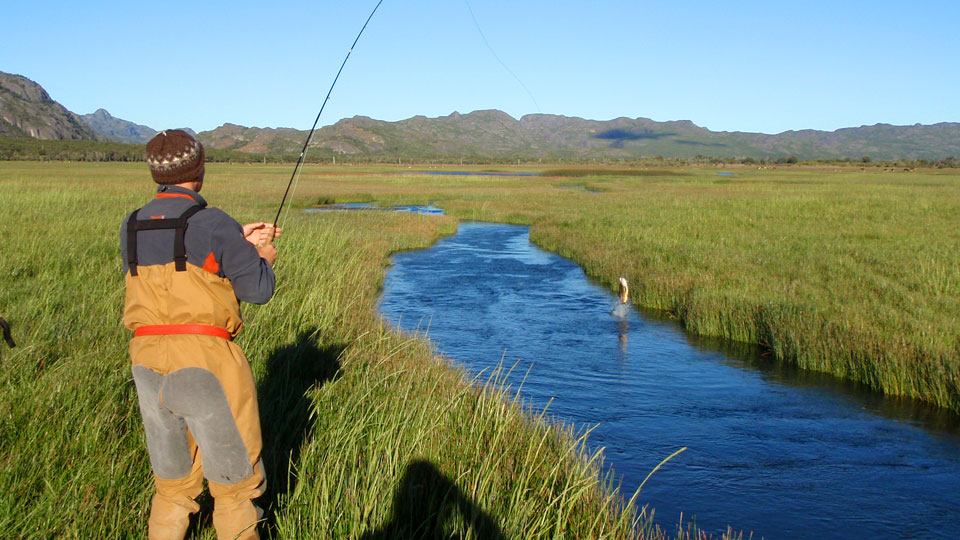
(172, 329)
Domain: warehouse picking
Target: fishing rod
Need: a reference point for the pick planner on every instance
(299, 166)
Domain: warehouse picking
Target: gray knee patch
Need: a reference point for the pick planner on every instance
(166, 433)
(196, 395)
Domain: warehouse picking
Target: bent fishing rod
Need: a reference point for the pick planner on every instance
(299, 166)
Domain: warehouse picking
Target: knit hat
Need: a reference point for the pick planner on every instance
(174, 157)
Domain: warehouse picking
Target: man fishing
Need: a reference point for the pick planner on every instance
(187, 268)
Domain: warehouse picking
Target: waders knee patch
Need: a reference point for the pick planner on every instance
(197, 395)
(167, 441)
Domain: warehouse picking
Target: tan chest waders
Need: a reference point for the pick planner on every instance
(196, 391)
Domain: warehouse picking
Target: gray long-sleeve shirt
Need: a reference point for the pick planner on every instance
(213, 240)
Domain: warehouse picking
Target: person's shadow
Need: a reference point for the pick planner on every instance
(423, 505)
(285, 419)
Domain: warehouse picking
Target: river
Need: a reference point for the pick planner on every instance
(772, 449)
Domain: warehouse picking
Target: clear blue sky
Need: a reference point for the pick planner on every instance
(729, 66)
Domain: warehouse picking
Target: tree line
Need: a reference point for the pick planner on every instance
(30, 149)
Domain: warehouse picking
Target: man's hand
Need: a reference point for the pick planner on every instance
(258, 233)
(268, 252)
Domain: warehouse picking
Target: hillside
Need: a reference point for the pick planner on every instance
(26, 110)
(255, 140)
(497, 135)
(107, 125)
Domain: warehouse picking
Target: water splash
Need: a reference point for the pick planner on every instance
(620, 311)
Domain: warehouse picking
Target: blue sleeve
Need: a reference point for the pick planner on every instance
(251, 276)
(123, 244)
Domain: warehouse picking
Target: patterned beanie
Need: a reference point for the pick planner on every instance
(174, 157)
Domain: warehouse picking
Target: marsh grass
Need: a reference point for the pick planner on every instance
(848, 272)
(367, 433)
(580, 172)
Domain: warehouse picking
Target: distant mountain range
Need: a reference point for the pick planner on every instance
(105, 125)
(26, 110)
(495, 134)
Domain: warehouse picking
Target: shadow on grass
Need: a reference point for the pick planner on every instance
(285, 421)
(425, 502)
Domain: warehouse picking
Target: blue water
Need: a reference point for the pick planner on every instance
(469, 173)
(413, 209)
(418, 209)
(772, 449)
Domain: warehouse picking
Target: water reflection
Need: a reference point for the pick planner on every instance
(910, 411)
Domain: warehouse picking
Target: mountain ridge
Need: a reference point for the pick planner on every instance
(113, 128)
(495, 134)
(27, 110)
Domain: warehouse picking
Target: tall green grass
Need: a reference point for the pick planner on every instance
(851, 274)
(848, 272)
(367, 433)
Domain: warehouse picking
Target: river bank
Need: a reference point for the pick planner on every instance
(757, 433)
(843, 271)
(367, 433)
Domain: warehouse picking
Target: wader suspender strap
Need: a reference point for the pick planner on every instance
(179, 224)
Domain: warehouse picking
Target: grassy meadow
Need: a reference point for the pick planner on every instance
(847, 271)
(368, 435)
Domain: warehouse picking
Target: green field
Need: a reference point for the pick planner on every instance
(367, 434)
(848, 272)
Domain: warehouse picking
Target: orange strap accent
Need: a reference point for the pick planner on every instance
(173, 329)
(171, 195)
(210, 264)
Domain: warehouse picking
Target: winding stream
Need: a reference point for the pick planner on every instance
(772, 449)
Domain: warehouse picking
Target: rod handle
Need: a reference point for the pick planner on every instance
(266, 237)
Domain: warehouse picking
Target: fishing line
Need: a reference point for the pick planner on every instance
(295, 184)
(299, 166)
(494, 53)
